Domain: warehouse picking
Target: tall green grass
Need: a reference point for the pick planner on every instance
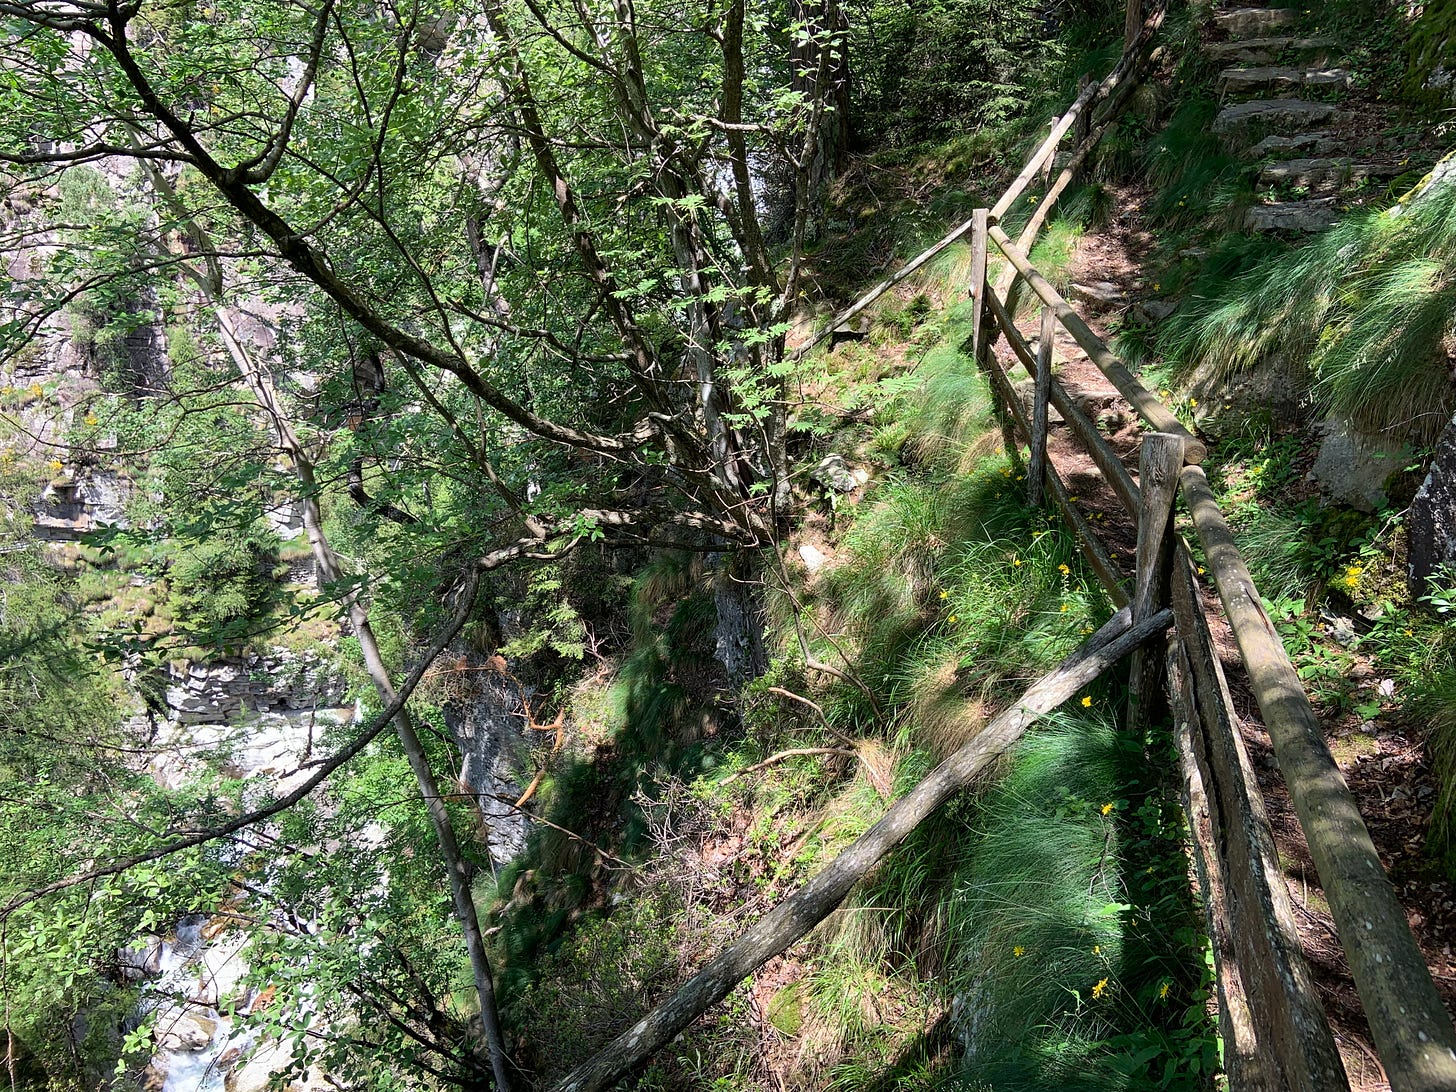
(1368, 304)
(1075, 937)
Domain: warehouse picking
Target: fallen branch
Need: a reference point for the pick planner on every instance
(793, 752)
(833, 731)
(795, 916)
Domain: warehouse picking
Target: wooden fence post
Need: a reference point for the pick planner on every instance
(1133, 26)
(982, 326)
(1037, 469)
(1158, 465)
(980, 223)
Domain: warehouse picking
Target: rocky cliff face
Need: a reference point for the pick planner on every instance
(278, 680)
(489, 725)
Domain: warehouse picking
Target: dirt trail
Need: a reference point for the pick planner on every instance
(1388, 772)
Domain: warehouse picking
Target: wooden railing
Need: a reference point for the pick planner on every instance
(1274, 1026)
(1275, 1032)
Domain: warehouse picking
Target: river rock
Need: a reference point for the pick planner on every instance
(1432, 521)
(184, 1030)
(257, 1074)
(1353, 468)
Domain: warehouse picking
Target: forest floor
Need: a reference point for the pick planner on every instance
(1383, 758)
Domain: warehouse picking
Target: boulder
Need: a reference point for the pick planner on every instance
(1246, 122)
(1293, 216)
(1026, 394)
(1275, 79)
(833, 474)
(1353, 468)
(184, 1030)
(1103, 293)
(812, 557)
(1254, 22)
(1432, 520)
(1319, 143)
(1263, 51)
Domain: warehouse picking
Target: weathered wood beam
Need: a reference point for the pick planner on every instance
(1245, 1068)
(1105, 569)
(1158, 464)
(1041, 394)
(1149, 408)
(1412, 1031)
(1296, 1050)
(1097, 446)
(795, 916)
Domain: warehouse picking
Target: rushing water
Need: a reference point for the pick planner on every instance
(195, 990)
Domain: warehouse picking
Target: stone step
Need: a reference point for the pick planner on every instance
(1244, 123)
(1254, 22)
(1324, 175)
(1321, 142)
(1292, 216)
(1278, 80)
(1101, 293)
(1269, 50)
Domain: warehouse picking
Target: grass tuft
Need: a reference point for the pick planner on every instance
(1368, 304)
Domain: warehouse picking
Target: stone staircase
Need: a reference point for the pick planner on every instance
(1284, 98)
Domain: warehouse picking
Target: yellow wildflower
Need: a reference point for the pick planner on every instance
(1063, 569)
(944, 593)
(1016, 561)
(90, 419)
(952, 618)
(1096, 949)
(56, 464)
(1106, 808)
(1193, 402)
(1087, 702)
(1352, 581)
(1163, 992)
(1064, 608)
(1018, 951)
(1409, 633)
(1099, 989)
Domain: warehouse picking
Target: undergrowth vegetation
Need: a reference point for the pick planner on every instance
(1367, 304)
(1052, 907)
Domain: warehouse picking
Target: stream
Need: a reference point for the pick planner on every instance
(194, 988)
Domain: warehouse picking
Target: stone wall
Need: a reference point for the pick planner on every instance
(280, 680)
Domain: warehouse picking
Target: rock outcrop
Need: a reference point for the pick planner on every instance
(1432, 520)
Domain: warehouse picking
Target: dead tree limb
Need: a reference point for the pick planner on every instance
(795, 916)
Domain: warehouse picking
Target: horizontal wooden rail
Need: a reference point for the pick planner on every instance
(1086, 430)
(1122, 74)
(1412, 1031)
(1148, 407)
(1106, 570)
